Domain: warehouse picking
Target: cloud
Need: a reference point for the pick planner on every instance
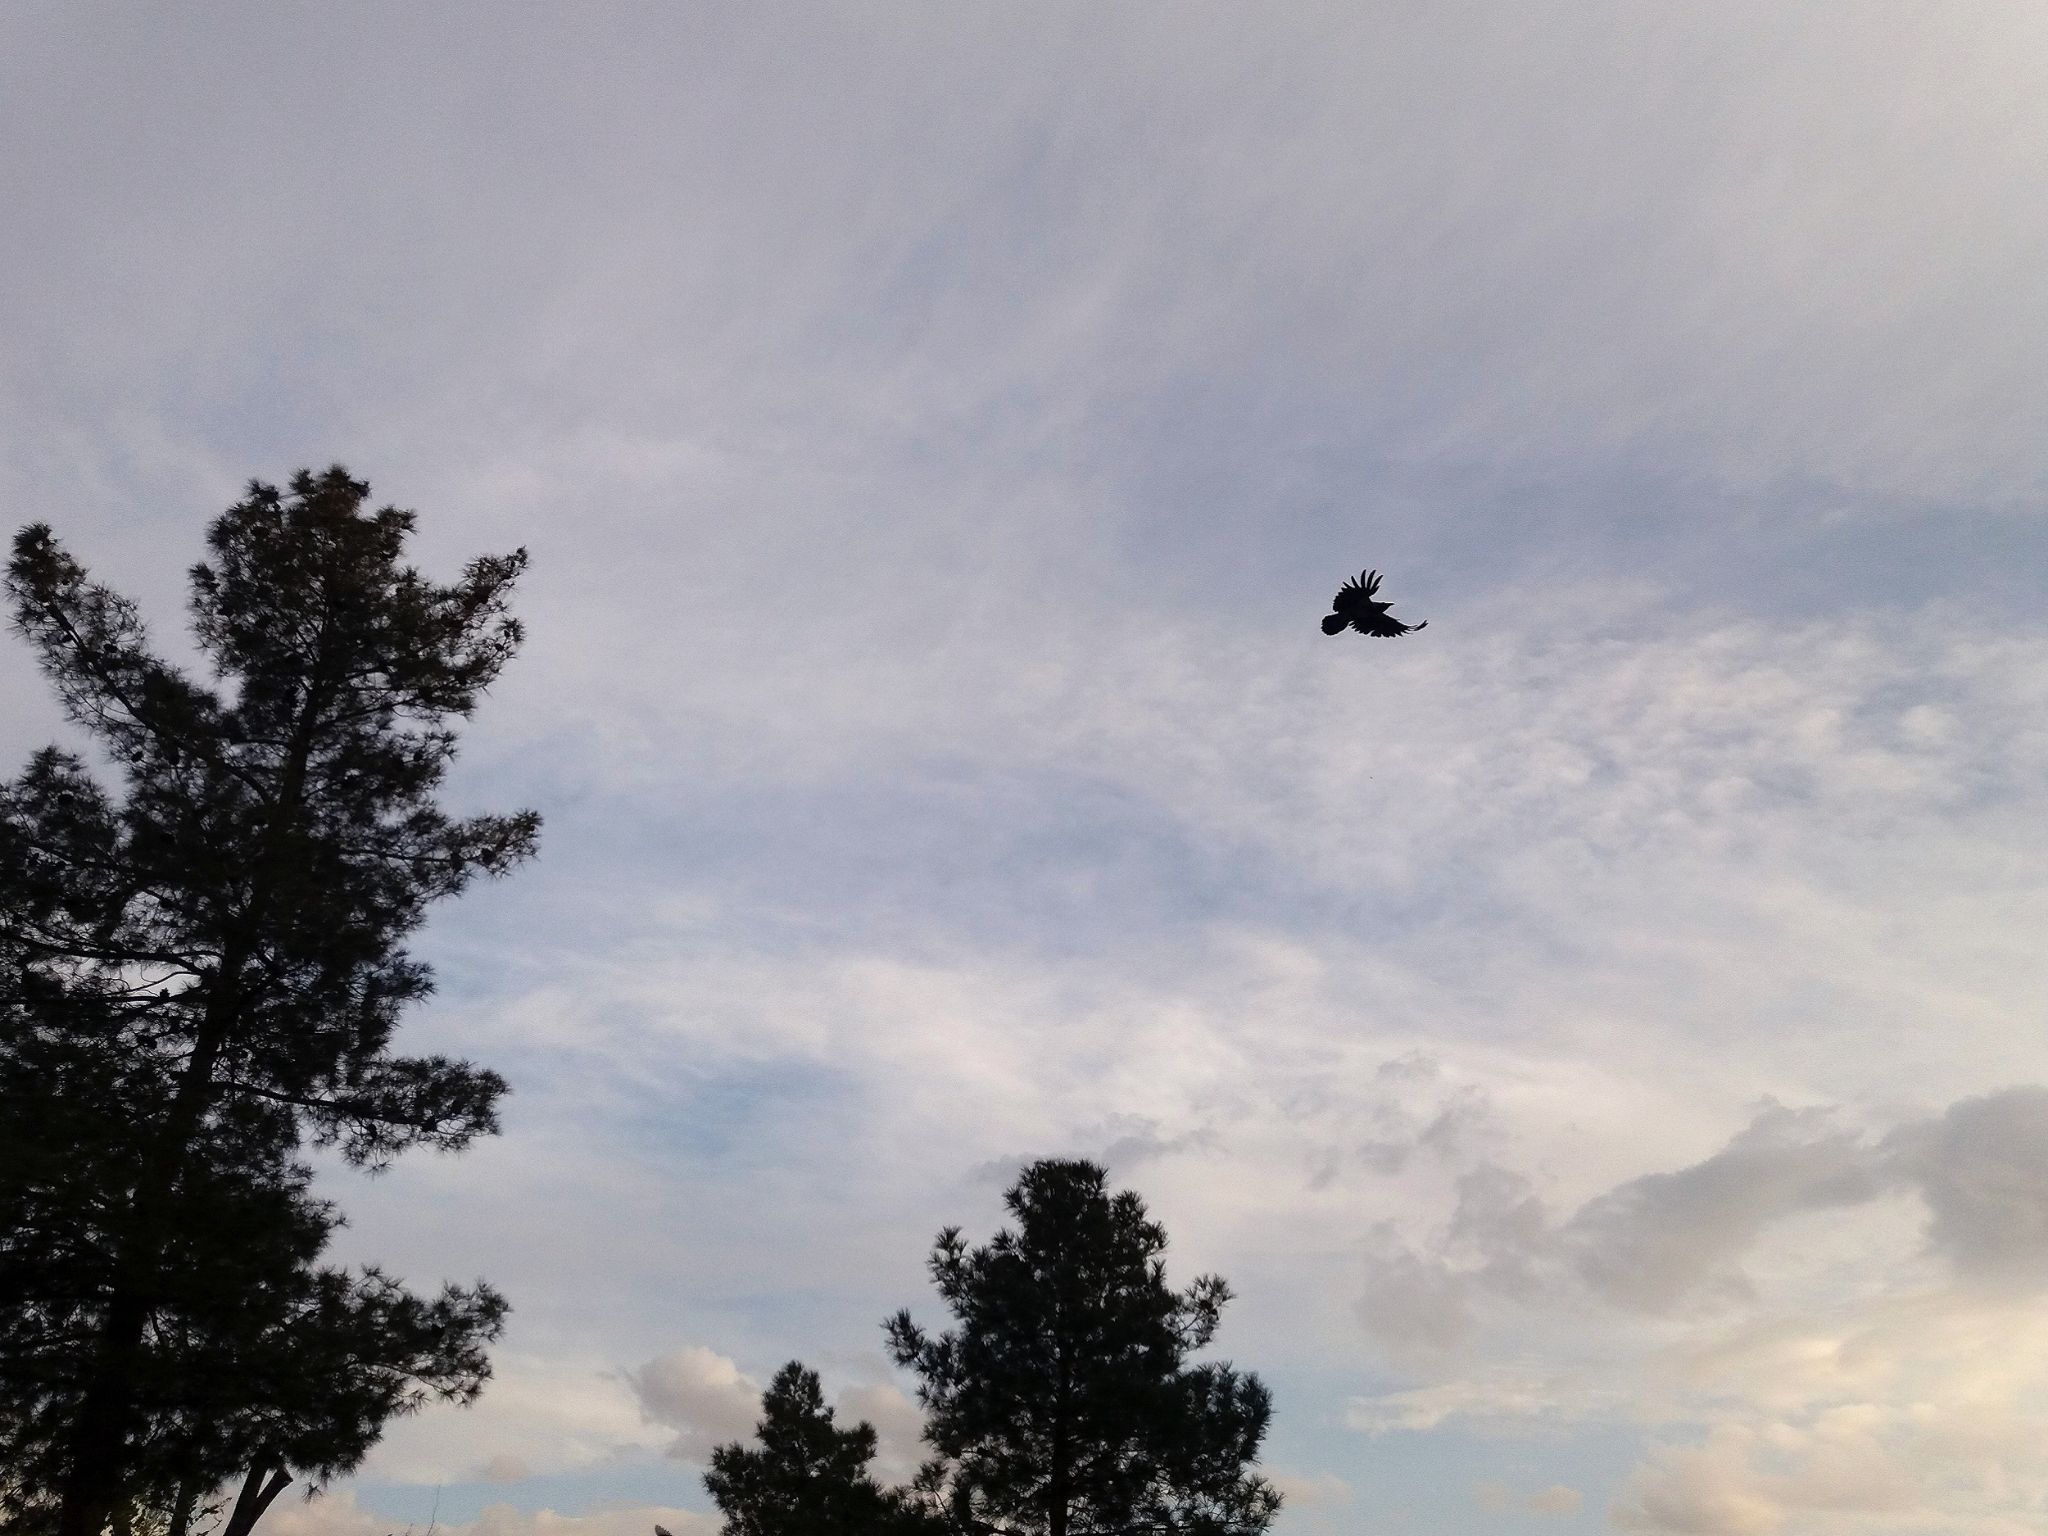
(1497, 1498)
(1660, 1241)
(1854, 1469)
(541, 1414)
(1656, 1239)
(1557, 1499)
(503, 1469)
(338, 1514)
(1983, 1169)
(1414, 1306)
(701, 1395)
(1879, 1356)
(1305, 1492)
(1697, 1492)
(1121, 1144)
(899, 1427)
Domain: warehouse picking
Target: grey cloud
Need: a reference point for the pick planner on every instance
(1415, 1306)
(1452, 1129)
(1416, 1114)
(1502, 1223)
(1647, 1245)
(1982, 1167)
(1119, 1144)
(1415, 1067)
(1145, 1144)
(1658, 1242)
(1421, 1306)
(1653, 1241)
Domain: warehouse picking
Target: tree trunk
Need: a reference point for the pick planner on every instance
(95, 1481)
(181, 1516)
(1059, 1475)
(266, 1480)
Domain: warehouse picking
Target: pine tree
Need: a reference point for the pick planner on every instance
(200, 975)
(1063, 1404)
(808, 1477)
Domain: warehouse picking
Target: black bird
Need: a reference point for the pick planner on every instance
(1354, 607)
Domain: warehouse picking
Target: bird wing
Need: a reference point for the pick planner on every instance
(1383, 625)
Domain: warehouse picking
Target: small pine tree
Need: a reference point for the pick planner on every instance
(809, 1477)
(1063, 1404)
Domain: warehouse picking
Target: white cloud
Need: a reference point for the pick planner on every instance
(899, 1427)
(1303, 1491)
(540, 1414)
(1698, 1492)
(338, 1514)
(1557, 1499)
(1497, 1498)
(701, 1395)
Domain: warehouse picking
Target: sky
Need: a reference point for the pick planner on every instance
(1600, 1037)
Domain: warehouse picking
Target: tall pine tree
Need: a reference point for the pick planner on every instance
(1063, 1403)
(200, 975)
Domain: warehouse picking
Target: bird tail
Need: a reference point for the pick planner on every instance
(1332, 623)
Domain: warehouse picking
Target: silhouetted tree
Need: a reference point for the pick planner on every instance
(1062, 1403)
(202, 974)
(808, 1477)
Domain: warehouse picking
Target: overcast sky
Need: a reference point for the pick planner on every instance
(1601, 1038)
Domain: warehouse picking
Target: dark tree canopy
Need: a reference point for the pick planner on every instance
(1062, 1402)
(201, 971)
(807, 1477)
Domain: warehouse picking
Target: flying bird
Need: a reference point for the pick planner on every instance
(1354, 607)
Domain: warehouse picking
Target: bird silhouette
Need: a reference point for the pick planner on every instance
(1354, 608)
